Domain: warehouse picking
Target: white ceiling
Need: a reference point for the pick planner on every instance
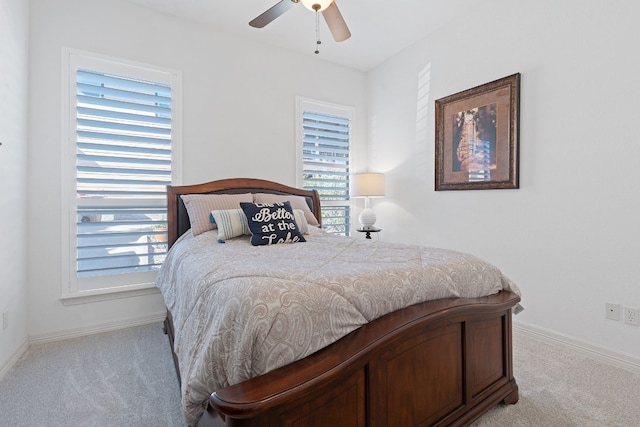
(379, 28)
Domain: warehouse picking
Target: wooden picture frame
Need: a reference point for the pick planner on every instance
(477, 137)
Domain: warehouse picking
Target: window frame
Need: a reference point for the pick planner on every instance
(73, 289)
(331, 109)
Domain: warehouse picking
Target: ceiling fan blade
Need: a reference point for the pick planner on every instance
(271, 14)
(335, 22)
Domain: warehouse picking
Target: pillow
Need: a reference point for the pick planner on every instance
(301, 221)
(271, 223)
(199, 206)
(297, 202)
(231, 223)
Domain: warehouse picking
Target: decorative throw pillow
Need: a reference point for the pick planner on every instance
(199, 206)
(271, 223)
(297, 202)
(301, 221)
(231, 223)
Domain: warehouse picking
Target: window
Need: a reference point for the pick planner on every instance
(324, 133)
(122, 154)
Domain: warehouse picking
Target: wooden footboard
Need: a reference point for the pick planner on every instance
(442, 362)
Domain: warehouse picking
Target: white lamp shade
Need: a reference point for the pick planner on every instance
(322, 3)
(367, 184)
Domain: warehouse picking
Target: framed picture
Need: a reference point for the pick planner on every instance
(477, 137)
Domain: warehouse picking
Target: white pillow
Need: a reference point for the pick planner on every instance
(301, 221)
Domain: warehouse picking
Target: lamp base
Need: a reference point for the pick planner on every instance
(367, 218)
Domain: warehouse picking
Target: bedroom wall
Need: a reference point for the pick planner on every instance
(14, 49)
(568, 237)
(238, 111)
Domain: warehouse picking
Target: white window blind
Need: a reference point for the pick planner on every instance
(124, 154)
(325, 154)
(122, 116)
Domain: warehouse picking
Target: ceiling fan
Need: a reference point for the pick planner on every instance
(329, 9)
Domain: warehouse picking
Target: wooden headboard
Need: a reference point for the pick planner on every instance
(178, 218)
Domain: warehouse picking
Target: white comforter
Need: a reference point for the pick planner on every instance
(240, 310)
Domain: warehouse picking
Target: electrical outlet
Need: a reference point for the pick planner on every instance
(612, 311)
(631, 316)
(5, 320)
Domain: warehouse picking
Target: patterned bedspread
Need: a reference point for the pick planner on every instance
(240, 310)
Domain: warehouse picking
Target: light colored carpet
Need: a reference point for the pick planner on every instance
(126, 378)
(120, 378)
(563, 388)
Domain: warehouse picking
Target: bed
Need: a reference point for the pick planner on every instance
(442, 361)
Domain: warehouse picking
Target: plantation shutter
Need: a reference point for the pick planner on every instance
(325, 153)
(123, 164)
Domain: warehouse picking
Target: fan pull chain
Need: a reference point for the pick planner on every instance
(318, 42)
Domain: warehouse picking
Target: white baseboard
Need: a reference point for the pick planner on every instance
(618, 359)
(14, 358)
(96, 329)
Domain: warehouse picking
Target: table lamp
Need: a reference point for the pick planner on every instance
(367, 185)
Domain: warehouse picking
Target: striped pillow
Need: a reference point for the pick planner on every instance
(199, 206)
(231, 223)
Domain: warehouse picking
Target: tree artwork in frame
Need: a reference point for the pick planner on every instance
(477, 137)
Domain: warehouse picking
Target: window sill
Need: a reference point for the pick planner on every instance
(97, 295)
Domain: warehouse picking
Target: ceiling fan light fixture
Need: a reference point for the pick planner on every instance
(330, 13)
(316, 5)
